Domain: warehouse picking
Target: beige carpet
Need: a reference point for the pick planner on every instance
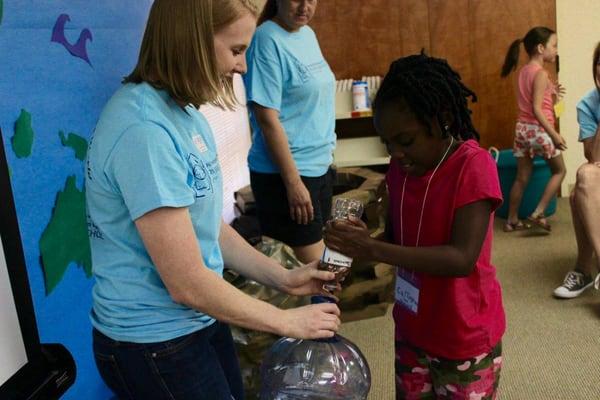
(551, 347)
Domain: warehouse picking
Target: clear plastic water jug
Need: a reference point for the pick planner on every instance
(324, 369)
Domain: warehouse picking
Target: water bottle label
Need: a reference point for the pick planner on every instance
(335, 258)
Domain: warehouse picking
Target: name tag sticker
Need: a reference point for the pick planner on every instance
(407, 290)
(199, 142)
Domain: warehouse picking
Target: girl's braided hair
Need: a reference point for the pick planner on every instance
(430, 87)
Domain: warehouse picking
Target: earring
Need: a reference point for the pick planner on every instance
(446, 128)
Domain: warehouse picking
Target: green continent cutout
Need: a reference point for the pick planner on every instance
(75, 142)
(1, 7)
(22, 141)
(65, 239)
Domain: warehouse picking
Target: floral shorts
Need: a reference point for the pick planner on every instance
(420, 376)
(532, 140)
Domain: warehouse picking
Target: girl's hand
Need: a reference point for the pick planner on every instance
(307, 280)
(559, 142)
(559, 91)
(349, 237)
(301, 208)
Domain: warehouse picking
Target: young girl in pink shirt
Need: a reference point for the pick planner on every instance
(443, 190)
(535, 133)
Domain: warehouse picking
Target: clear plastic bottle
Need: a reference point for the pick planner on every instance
(332, 260)
(325, 369)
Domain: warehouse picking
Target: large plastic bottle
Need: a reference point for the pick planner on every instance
(324, 369)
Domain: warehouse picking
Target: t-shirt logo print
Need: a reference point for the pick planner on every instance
(202, 184)
(303, 71)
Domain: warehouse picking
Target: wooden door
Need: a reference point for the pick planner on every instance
(362, 38)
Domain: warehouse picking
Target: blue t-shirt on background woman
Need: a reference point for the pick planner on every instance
(588, 114)
(287, 72)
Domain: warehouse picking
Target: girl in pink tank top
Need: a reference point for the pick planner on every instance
(535, 133)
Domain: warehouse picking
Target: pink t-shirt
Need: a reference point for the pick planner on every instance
(457, 318)
(525, 96)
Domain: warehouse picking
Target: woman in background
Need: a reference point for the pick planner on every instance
(585, 197)
(291, 95)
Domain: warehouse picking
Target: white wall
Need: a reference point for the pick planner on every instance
(578, 28)
(231, 130)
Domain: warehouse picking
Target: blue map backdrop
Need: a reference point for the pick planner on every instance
(60, 61)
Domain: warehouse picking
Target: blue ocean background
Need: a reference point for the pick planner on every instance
(62, 93)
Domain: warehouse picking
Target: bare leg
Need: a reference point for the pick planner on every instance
(586, 194)
(587, 200)
(558, 169)
(311, 252)
(585, 252)
(524, 166)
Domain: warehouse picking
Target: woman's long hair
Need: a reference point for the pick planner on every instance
(180, 57)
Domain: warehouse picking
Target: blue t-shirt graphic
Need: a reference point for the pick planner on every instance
(287, 72)
(147, 152)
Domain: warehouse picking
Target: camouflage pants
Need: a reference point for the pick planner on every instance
(420, 376)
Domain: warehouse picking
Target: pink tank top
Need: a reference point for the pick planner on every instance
(525, 96)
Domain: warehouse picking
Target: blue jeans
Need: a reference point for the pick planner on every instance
(200, 366)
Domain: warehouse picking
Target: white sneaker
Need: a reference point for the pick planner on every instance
(574, 284)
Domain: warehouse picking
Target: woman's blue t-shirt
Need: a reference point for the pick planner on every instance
(146, 153)
(588, 114)
(287, 72)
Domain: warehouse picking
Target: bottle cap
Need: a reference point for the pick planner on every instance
(321, 299)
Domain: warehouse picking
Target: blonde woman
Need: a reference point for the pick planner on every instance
(154, 197)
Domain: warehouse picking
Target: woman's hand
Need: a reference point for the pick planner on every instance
(311, 322)
(301, 208)
(306, 280)
(349, 237)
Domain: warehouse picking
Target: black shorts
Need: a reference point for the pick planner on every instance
(274, 212)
